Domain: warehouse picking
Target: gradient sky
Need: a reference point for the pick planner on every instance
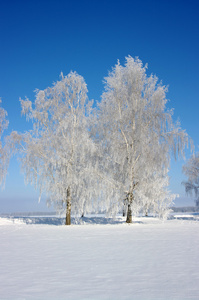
(39, 39)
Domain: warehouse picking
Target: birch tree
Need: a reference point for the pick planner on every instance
(57, 154)
(4, 155)
(138, 131)
(191, 170)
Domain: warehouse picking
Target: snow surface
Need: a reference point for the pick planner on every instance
(150, 259)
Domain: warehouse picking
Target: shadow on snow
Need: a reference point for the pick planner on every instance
(92, 220)
(58, 221)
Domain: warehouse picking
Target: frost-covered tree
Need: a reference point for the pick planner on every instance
(137, 132)
(4, 155)
(57, 155)
(191, 170)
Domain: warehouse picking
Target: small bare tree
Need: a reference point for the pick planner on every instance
(191, 170)
(4, 154)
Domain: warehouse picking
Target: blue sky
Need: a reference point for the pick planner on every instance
(39, 39)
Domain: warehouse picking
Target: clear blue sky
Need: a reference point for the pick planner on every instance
(39, 39)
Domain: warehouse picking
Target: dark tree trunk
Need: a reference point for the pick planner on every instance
(68, 207)
(124, 207)
(129, 210)
(129, 214)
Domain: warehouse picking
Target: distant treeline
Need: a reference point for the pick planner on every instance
(185, 209)
(28, 214)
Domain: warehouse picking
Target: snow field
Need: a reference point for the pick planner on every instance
(145, 260)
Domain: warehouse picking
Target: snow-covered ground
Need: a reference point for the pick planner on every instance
(150, 259)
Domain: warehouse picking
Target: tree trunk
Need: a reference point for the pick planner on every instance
(129, 214)
(124, 208)
(68, 207)
(129, 210)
